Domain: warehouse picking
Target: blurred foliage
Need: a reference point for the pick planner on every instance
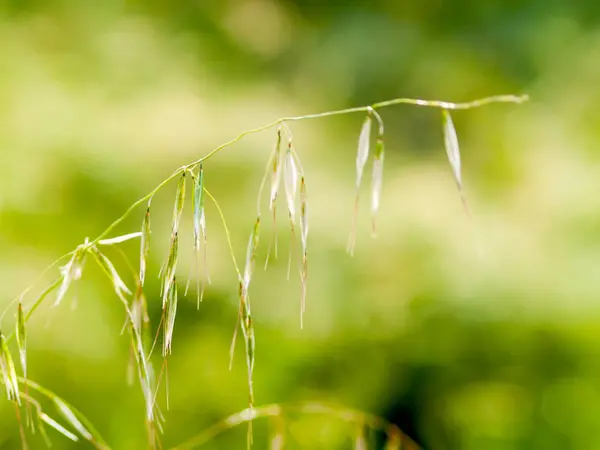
(468, 334)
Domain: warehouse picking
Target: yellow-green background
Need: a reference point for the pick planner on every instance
(470, 334)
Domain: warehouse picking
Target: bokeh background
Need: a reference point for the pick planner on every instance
(478, 333)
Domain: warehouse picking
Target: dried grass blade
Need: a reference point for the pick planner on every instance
(9, 374)
(453, 152)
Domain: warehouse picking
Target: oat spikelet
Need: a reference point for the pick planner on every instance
(145, 245)
(304, 239)
(276, 169)
(376, 181)
(291, 184)
(200, 234)
(453, 152)
(361, 159)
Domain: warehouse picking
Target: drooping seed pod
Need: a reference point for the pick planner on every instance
(170, 269)
(304, 240)
(179, 202)
(377, 181)
(363, 149)
(170, 312)
(9, 374)
(200, 230)
(276, 169)
(71, 272)
(290, 182)
(453, 152)
(145, 245)
(251, 252)
(21, 336)
(106, 264)
(362, 156)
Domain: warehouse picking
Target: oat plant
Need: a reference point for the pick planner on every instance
(283, 167)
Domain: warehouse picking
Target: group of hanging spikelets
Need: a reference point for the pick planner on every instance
(284, 162)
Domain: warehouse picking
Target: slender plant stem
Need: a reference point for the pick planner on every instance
(227, 233)
(313, 408)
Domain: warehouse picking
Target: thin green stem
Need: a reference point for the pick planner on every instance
(32, 285)
(449, 105)
(93, 436)
(313, 408)
(227, 233)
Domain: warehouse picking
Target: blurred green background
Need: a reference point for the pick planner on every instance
(469, 334)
